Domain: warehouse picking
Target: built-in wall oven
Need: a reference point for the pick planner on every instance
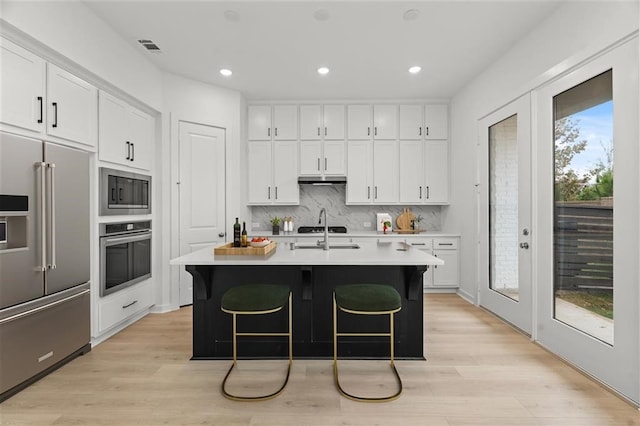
(124, 193)
(125, 255)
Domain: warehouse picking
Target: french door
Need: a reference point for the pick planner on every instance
(504, 167)
(587, 203)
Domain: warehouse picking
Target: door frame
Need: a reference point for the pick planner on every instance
(519, 312)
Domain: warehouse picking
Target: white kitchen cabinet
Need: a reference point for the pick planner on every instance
(436, 122)
(443, 276)
(311, 126)
(372, 172)
(22, 80)
(72, 107)
(424, 172)
(125, 133)
(259, 122)
(333, 119)
(123, 305)
(273, 173)
(283, 126)
(359, 122)
(411, 122)
(318, 158)
(385, 122)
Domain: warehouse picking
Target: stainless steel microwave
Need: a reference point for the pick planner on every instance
(124, 193)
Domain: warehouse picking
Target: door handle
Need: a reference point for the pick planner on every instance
(128, 151)
(52, 216)
(133, 151)
(524, 246)
(221, 234)
(55, 114)
(41, 116)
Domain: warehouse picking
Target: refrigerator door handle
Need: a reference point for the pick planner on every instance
(41, 308)
(51, 230)
(43, 218)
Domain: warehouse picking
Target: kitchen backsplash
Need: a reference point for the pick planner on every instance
(313, 198)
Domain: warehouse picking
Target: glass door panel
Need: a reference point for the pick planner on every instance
(583, 212)
(503, 207)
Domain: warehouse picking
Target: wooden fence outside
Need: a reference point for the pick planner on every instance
(583, 247)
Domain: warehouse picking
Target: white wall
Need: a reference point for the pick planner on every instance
(574, 32)
(71, 29)
(189, 100)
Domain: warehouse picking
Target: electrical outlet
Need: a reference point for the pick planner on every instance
(255, 225)
(367, 224)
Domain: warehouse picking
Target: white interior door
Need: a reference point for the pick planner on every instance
(202, 193)
(505, 213)
(588, 233)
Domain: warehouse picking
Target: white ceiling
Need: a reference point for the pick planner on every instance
(274, 48)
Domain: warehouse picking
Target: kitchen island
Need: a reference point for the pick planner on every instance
(312, 274)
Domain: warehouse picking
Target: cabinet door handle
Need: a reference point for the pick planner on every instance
(130, 304)
(276, 131)
(133, 151)
(375, 131)
(368, 131)
(268, 192)
(269, 131)
(325, 131)
(428, 193)
(41, 116)
(318, 163)
(120, 194)
(421, 192)
(325, 164)
(426, 131)
(318, 131)
(276, 192)
(55, 114)
(445, 244)
(420, 131)
(128, 151)
(418, 244)
(375, 196)
(368, 192)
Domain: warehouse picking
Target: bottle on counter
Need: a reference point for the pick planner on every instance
(243, 236)
(236, 233)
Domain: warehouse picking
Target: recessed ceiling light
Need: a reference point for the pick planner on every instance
(231, 15)
(226, 72)
(415, 70)
(323, 70)
(411, 15)
(321, 15)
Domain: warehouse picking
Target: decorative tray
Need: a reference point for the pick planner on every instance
(229, 249)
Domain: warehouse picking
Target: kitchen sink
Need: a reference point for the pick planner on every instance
(295, 246)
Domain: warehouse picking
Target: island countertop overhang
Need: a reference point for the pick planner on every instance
(369, 253)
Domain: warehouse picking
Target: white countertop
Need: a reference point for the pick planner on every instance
(355, 234)
(369, 253)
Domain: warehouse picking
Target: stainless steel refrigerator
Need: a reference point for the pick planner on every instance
(44, 259)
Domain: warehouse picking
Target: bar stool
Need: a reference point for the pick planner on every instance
(366, 299)
(256, 299)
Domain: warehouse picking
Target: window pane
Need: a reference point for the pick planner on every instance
(503, 207)
(583, 217)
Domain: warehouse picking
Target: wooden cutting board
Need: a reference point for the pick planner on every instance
(404, 220)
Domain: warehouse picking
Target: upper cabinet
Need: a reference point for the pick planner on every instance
(411, 122)
(71, 107)
(126, 133)
(266, 123)
(22, 81)
(384, 125)
(41, 98)
(322, 149)
(436, 121)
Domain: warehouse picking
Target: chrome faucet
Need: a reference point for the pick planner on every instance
(326, 228)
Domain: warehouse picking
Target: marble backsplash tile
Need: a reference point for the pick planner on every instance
(313, 198)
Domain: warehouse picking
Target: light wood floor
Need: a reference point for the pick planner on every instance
(478, 372)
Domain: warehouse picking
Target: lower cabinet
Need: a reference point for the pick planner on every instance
(123, 305)
(447, 275)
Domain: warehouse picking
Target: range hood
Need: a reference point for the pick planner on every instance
(322, 180)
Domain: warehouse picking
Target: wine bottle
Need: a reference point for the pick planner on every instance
(243, 236)
(236, 233)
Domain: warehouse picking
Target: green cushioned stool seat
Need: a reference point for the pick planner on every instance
(255, 298)
(368, 297)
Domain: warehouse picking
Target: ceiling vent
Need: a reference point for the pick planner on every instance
(150, 46)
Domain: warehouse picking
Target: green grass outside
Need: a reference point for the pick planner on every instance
(600, 303)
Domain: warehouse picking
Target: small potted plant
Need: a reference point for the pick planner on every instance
(275, 223)
(416, 222)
